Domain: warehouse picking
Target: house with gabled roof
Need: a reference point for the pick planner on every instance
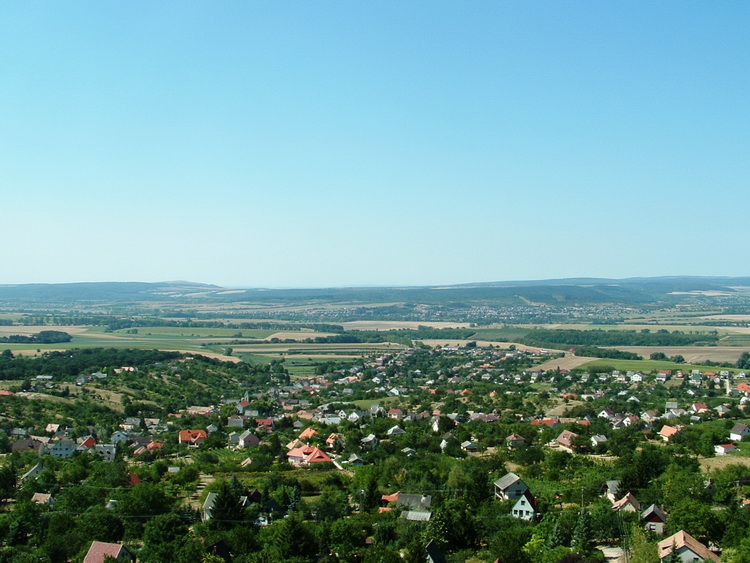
(525, 507)
(687, 548)
(43, 498)
(515, 441)
(628, 503)
(61, 449)
(370, 441)
(410, 501)
(654, 519)
(308, 433)
(668, 432)
(510, 487)
(192, 437)
(101, 550)
(739, 432)
(395, 431)
(334, 440)
(724, 449)
(247, 440)
(611, 489)
(566, 439)
(32, 473)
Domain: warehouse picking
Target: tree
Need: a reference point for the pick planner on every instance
(640, 549)
(7, 482)
(228, 509)
(166, 538)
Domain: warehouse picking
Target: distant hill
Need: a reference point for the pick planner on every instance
(561, 292)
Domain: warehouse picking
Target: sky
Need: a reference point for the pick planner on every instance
(345, 143)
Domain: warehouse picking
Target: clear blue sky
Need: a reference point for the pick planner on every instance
(283, 144)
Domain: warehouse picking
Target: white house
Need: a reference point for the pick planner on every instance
(739, 432)
(525, 507)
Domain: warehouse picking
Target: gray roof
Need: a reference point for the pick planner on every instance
(656, 511)
(613, 487)
(414, 501)
(507, 480)
(416, 516)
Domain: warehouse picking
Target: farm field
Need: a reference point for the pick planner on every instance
(692, 354)
(568, 362)
(396, 325)
(647, 365)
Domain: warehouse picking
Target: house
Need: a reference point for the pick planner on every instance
(235, 421)
(306, 455)
(413, 502)
(655, 519)
(724, 449)
(106, 451)
(525, 507)
(86, 443)
(334, 441)
(266, 423)
(468, 446)
(510, 487)
(192, 437)
(416, 515)
(566, 439)
(515, 441)
(26, 445)
(396, 431)
(722, 410)
(308, 433)
(598, 440)
(739, 432)
(395, 414)
(698, 407)
(101, 550)
(247, 440)
(43, 498)
(32, 473)
(668, 432)
(317, 456)
(628, 503)
(61, 449)
(687, 548)
(611, 489)
(369, 441)
(119, 436)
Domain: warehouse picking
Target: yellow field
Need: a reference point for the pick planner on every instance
(720, 462)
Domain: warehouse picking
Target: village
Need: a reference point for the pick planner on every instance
(418, 436)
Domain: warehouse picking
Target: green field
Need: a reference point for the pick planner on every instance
(177, 332)
(503, 334)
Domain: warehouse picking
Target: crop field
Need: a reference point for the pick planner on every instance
(646, 366)
(166, 332)
(396, 325)
(692, 354)
(567, 362)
